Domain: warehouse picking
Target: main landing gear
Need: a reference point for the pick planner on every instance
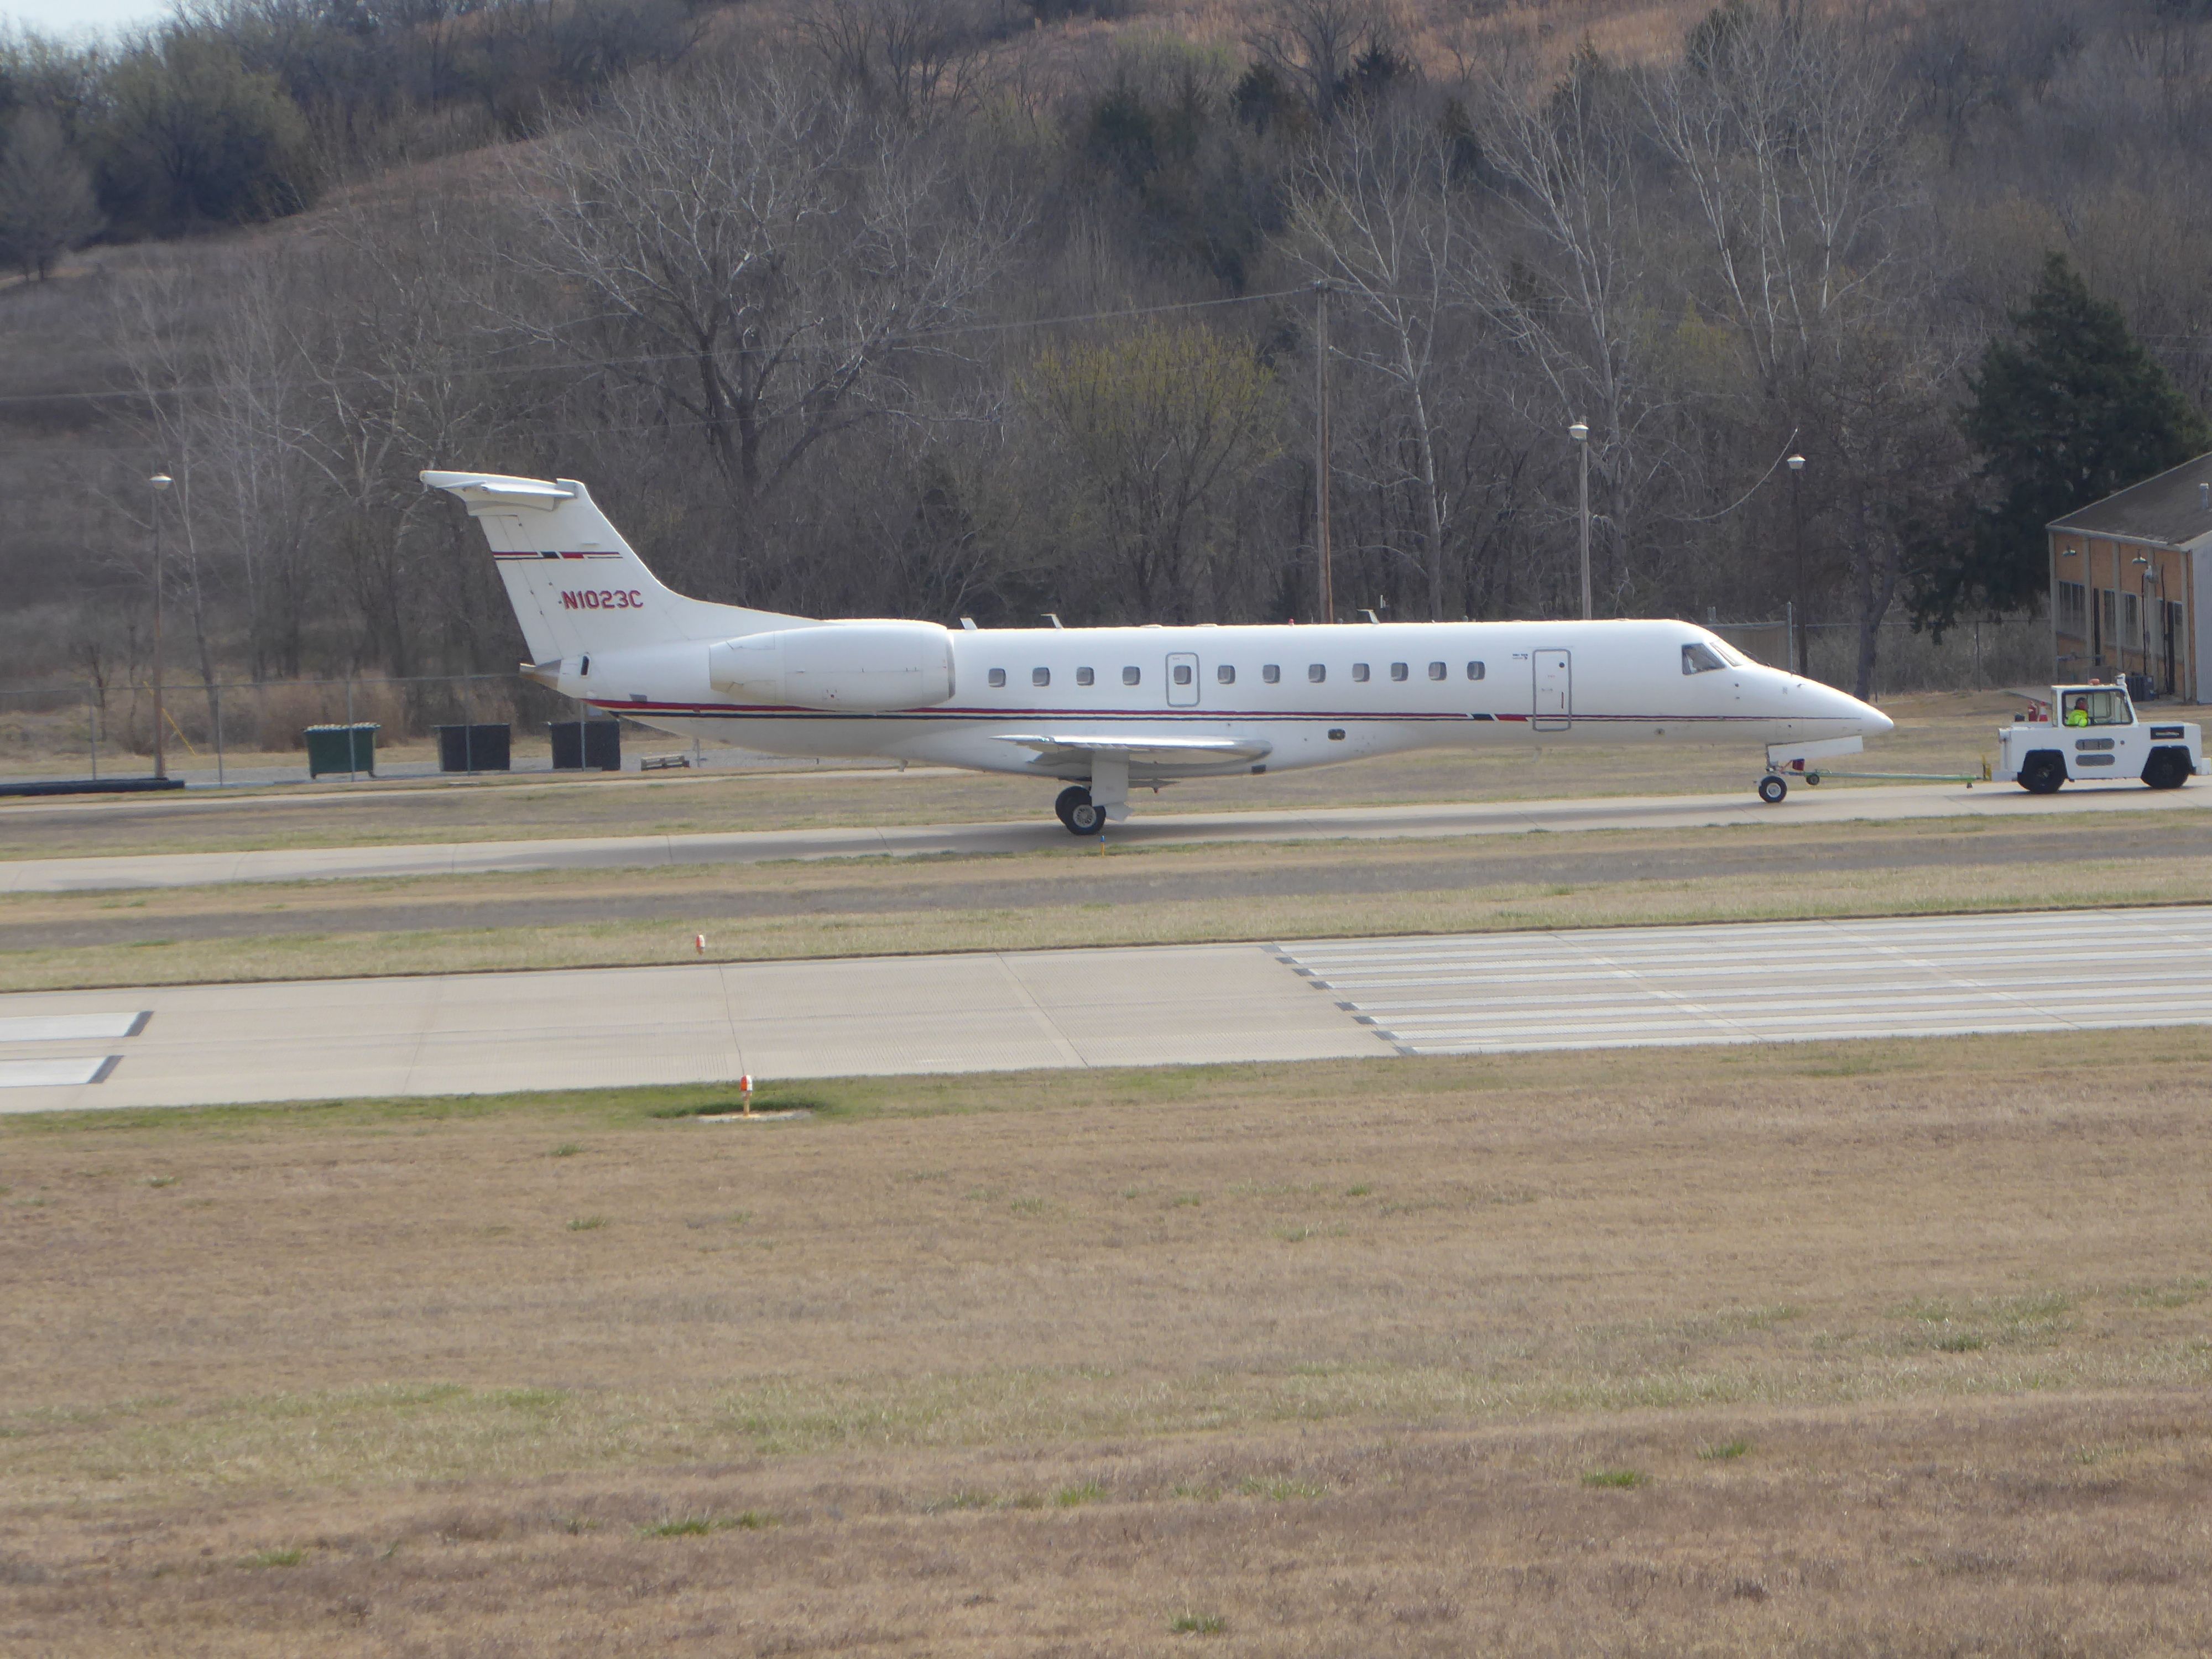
(1082, 816)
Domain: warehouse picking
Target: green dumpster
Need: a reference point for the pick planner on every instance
(349, 749)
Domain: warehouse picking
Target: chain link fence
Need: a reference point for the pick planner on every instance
(1973, 656)
(246, 732)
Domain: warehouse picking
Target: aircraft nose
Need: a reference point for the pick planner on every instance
(1872, 722)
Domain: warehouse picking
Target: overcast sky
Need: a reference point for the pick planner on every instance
(79, 19)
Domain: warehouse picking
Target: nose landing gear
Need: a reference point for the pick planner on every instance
(1772, 788)
(1079, 813)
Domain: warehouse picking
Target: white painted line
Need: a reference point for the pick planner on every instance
(1785, 981)
(55, 1073)
(73, 1028)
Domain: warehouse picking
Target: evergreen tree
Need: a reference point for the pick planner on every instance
(2066, 413)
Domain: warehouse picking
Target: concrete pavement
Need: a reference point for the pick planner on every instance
(1831, 804)
(1728, 983)
(490, 1033)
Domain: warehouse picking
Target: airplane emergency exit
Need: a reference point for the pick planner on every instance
(1104, 710)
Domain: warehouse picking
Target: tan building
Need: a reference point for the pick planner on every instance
(2132, 584)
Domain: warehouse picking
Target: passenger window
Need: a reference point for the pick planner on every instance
(1436, 671)
(1397, 671)
(1040, 676)
(1182, 673)
(998, 677)
(1131, 676)
(1360, 671)
(1316, 672)
(1699, 659)
(1474, 671)
(1225, 674)
(1272, 673)
(1086, 676)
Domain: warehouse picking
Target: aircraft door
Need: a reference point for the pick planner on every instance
(1555, 705)
(1182, 679)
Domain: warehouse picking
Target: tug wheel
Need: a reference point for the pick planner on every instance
(2043, 772)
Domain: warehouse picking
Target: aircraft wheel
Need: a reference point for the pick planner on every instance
(1065, 804)
(2043, 772)
(1086, 816)
(1772, 788)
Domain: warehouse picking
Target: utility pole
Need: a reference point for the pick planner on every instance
(159, 484)
(1325, 587)
(1580, 432)
(1797, 575)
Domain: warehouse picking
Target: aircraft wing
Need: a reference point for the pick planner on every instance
(1140, 748)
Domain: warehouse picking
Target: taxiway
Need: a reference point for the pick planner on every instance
(1485, 993)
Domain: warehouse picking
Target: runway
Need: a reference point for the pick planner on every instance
(1495, 993)
(1832, 804)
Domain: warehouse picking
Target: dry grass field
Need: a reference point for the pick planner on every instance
(1949, 732)
(1882, 1348)
(1080, 894)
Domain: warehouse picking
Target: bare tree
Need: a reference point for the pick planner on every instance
(1314, 44)
(1154, 435)
(1380, 219)
(46, 207)
(763, 265)
(1560, 267)
(1785, 133)
(905, 57)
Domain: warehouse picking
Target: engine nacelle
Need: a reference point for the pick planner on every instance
(870, 667)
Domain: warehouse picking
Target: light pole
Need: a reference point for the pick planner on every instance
(1796, 464)
(159, 484)
(1580, 432)
(1325, 574)
(2142, 612)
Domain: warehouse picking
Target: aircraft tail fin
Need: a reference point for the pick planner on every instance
(576, 586)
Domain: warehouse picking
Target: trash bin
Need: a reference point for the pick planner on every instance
(350, 749)
(587, 746)
(485, 747)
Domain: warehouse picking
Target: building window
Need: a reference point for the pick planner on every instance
(1086, 676)
(2074, 610)
(1272, 673)
(1398, 670)
(1225, 674)
(1132, 676)
(1040, 676)
(1359, 672)
(1316, 672)
(1474, 671)
(998, 677)
(2131, 621)
(1436, 671)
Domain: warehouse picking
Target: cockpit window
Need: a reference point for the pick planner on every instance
(1698, 658)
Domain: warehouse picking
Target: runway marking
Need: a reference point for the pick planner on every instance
(55, 1074)
(1772, 982)
(73, 1028)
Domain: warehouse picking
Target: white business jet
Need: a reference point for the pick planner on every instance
(1104, 709)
